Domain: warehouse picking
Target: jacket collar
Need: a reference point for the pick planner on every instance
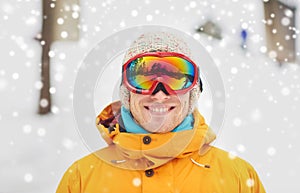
(130, 151)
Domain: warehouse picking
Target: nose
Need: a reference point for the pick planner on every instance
(160, 96)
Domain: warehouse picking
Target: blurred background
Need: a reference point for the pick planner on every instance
(254, 44)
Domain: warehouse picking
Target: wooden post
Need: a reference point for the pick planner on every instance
(67, 12)
(45, 97)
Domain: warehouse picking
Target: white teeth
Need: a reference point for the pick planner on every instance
(161, 110)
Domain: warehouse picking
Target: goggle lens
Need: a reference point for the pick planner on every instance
(176, 72)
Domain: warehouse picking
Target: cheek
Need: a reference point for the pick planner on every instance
(136, 109)
(184, 105)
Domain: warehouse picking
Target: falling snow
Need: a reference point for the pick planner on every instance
(51, 53)
(52, 90)
(136, 182)
(3, 84)
(232, 155)
(15, 76)
(41, 132)
(28, 177)
(44, 102)
(285, 91)
(234, 70)
(262, 97)
(55, 109)
(241, 148)
(134, 13)
(256, 115)
(250, 182)
(271, 151)
(60, 21)
(27, 129)
(149, 17)
(237, 122)
(68, 144)
(64, 34)
(38, 85)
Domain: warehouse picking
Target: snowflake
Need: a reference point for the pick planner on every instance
(60, 21)
(27, 129)
(68, 144)
(58, 77)
(134, 13)
(272, 54)
(3, 84)
(285, 21)
(28, 177)
(149, 17)
(271, 151)
(51, 53)
(11, 53)
(237, 122)
(250, 182)
(44, 102)
(75, 15)
(241, 148)
(234, 70)
(8, 8)
(122, 24)
(232, 155)
(285, 91)
(54, 109)
(31, 21)
(41, 132)
(38, 85)
(136, 182)
(193, 4)
(256, 115)
(64, 34)
(30, 53)
(62, 56)
(288, 13)
(52, 90)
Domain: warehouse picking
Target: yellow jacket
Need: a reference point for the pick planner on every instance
(175, 162)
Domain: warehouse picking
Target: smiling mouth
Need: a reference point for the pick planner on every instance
(159, 110)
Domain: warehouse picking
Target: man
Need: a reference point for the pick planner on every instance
(157, 139)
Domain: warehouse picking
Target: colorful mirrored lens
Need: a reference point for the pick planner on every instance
(176, 72)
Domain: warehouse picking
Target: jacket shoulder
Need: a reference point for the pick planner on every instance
(230, 159)
(72, 179)
(235, 168)
(89, 161)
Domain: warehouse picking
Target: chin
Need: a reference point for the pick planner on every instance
(164, 127)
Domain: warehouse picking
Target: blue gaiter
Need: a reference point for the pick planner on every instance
(132, 127)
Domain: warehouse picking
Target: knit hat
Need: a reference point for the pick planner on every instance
(158, 42)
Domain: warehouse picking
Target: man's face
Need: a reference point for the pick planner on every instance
(159, 113)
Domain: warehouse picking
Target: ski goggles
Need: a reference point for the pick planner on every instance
(142, 73)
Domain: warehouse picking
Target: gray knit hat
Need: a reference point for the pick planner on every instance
(158, 42)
